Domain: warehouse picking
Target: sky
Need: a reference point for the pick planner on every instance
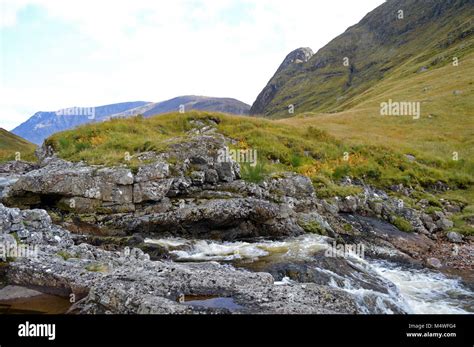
(57, 54)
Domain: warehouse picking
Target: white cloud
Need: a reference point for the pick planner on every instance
(154, 50)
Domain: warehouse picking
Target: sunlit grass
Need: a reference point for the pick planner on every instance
(15, 148)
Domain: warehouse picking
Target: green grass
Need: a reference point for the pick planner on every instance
(115, 141)
(280, 147)
(13, 147)
(326, 188)
(379, 48)
(254, 174)
(402, 224)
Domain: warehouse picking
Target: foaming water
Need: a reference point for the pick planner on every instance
(418, 291)
(426, 291)
(205, 250)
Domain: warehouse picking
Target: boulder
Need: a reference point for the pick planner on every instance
(198, 177)
(151, 191)
(444, 224)
(434, 262)
(292, 185)
(313, 222)
(225, 171)
(349, 204)
(454, 237)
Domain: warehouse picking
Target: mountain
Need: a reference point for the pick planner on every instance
(43, 124)
(190, 102)
(10, 144)
(399, 37)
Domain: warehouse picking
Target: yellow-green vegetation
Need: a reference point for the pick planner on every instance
(116, 141)
(12, 145)
(281, 147)
(312, 227)
(97, 267)
(253, 173)
(442, 139)
(402, 224)
(66, 255)
(380, 48)
(326, 188)
(444, 133)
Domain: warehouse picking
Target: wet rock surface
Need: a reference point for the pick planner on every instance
(128, 282)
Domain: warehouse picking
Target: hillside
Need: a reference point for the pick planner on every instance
(445, 126)
(11, 144)
(379, 47)
(427, 58)
(43, 124)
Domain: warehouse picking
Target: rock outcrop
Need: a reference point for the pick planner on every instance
(266, 96)
(128, 282)
(189, 190)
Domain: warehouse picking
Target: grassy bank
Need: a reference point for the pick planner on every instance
(13, 147)
(303, 149)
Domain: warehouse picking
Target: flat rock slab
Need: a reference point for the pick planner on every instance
(16, 292)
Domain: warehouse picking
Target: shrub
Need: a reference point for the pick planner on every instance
(254, 174)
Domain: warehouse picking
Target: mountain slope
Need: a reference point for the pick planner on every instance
(190, 102)
(11, 144)
(430, 32)
(43, 124)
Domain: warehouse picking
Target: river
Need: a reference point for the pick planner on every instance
(414, 290)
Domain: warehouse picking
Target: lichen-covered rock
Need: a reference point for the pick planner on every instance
(313, 222)
(444, 224)
(454, 237)
(127, 282)
(151, 191)
(223, 218)
(292, 185)
(156, 171)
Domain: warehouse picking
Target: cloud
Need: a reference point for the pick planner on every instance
(123, 50)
